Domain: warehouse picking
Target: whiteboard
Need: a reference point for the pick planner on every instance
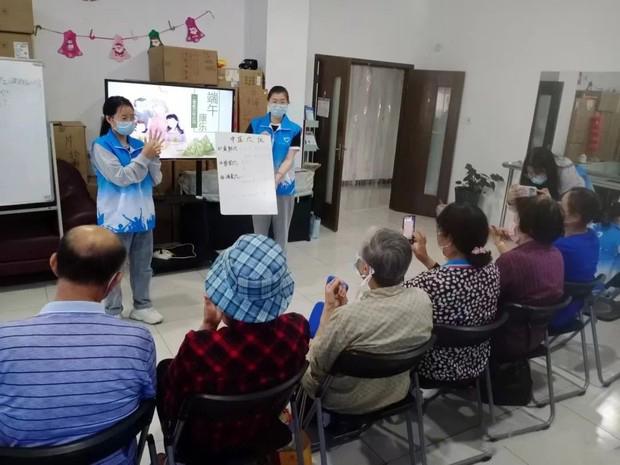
(26, 175)
(246, 181)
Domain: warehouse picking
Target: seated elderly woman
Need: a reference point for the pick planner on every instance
(464, 290)
(531, 270)
(579, 246)
(386, 318)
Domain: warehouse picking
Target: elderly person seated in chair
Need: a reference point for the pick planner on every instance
(387, 318)
(248, 289)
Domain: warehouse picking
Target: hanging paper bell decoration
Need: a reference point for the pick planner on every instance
(154, 40)
(193, 33)
(69, 47)
(119, 52)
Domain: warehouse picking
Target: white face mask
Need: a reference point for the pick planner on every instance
(365, 284)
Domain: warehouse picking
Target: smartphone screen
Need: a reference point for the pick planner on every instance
(409, 226)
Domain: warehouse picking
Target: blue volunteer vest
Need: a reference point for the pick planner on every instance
(281, 142)
(124, 209)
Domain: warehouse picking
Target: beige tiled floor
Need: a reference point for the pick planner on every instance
(586, 430)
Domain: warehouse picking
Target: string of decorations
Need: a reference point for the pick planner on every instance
(119, 52)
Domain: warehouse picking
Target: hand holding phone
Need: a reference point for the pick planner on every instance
(409, 227)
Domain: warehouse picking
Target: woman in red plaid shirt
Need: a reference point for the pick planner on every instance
(248, 288)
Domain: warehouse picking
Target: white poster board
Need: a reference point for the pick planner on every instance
(246, 174)
(25, 161)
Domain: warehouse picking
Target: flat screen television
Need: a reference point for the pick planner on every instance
(188, 116)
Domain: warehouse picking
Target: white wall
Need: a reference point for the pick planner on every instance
(74, 87)
(503, 46)
(256, 31)
(287, 45)
(393, 30)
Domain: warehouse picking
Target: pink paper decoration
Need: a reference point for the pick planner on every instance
(69, 47)
(119, 52)
(193, 33)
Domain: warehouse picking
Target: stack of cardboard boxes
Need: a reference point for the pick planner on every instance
(16, 28)
(586, 107)
(609, 106)
(198, 66)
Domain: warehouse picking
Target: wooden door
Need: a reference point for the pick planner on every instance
(426, 139)
(331, 96)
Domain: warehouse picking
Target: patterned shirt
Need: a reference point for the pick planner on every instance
(383, 321)
(461, 296)
(238, 359)
(71, 372)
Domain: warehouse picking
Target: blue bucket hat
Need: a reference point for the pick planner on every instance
(250, 281)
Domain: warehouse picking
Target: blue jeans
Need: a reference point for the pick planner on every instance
(139, 248)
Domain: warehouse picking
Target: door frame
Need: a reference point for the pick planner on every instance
(556, 90)
(321, 173)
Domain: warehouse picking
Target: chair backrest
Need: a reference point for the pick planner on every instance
(535, 315)
(372, 366)
(464, 336)
(211, 407)
(88, 450)
(583, 290)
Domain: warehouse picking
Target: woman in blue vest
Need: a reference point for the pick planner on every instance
(286, 142)
(127, 169)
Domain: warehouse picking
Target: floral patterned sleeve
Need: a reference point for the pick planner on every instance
(424, 281)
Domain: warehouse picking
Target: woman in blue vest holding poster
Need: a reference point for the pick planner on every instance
(286, 142)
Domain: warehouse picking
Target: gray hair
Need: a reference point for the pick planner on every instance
(389, 254)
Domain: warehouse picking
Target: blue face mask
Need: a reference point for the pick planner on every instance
(125, 128)
(278, 110)
(539, 179)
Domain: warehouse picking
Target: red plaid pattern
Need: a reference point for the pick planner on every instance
(239, 359)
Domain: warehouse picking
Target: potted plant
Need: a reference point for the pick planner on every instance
(473, 184)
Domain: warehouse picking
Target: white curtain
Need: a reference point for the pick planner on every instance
(372, 123)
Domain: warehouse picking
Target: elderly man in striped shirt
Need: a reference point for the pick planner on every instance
(73, 371)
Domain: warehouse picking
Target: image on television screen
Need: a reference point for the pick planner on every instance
(188, 117)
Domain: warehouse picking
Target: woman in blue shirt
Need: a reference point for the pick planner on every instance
(286, 143)
(127, 169)
(579, 246)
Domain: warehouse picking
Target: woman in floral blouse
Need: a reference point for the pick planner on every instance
(464, 290)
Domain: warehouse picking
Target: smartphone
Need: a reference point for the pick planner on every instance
(527, 191)
(409, 226)
(331, 278)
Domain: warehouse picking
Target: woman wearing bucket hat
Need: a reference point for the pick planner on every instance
(248, 288)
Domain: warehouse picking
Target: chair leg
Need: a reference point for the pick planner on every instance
(542, 424)
(419, 404)
(491, 401)
(597, 353)
(170, 455)
(152, 449)
(409, 421)
(321, 431)
(479, 404)
(141, 443)
(297, 435)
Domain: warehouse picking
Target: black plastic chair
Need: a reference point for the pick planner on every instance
(466, 336)
(578, 291)
(211, 408)
(535, 317)
(376, 366)
(92, 449)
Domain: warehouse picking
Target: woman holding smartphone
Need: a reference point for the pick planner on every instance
(286, 142)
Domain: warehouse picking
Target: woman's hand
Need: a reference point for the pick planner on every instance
(212, 316)
(501, 238)
(335, 295)
(419, 250)
(152, 147)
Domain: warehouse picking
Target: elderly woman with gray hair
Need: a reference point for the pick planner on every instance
(385, 318)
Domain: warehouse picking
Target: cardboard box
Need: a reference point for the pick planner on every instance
(183, 65)
(610, 136)
(233, 78)
(15, 45)
(610, 102)
(16, 16)
(252, 103)
(91, 186)
(583, 111)
(70, 145)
